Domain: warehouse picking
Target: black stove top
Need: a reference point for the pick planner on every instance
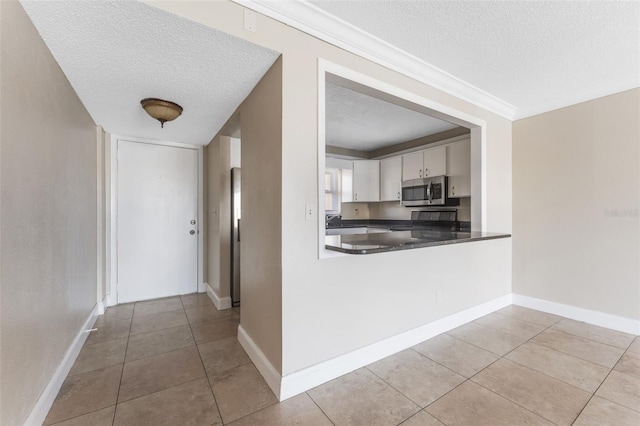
(440, 219)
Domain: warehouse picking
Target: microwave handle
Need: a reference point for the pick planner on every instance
(429, 191)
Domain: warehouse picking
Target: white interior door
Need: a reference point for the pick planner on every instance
(157, 234)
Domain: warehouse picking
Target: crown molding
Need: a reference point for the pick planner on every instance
(314, 21)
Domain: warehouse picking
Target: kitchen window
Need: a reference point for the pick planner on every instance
(332, 191)
(337, 189)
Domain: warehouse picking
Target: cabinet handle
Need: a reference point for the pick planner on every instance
(453, 190)
(426, 172)
(356, 199)
(398, 195)
(420, 173)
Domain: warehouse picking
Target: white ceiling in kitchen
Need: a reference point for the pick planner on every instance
(116, 53)
(358, 121)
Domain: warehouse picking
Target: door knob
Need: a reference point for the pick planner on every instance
(192, 232)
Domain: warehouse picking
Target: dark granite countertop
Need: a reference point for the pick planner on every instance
(403, 240)
(385, 224)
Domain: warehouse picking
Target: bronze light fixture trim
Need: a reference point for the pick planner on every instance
(161, 110)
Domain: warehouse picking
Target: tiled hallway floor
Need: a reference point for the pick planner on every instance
(177, 361)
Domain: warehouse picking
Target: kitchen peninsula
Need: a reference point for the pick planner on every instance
(378, 242)
(425, 229)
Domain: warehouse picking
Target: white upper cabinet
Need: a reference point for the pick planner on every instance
(366, 180)
(435, 161)
(412, 165)
(459, 164)
(390, 179)
(428, 163)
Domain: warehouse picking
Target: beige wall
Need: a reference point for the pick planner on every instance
(218, 202)
(575, 206)
(48, 222)
(334, 306)
(260, 157)
(261, 245)
(212, 205)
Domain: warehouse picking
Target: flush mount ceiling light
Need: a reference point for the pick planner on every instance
(162, 111)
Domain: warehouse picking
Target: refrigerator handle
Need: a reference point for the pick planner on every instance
(238, 230)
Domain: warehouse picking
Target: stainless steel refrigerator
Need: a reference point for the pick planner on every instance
(235, 236)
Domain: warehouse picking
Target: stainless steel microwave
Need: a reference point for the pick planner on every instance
(431, 191)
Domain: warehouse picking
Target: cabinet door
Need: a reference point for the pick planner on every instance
(366, 180)
(435, 161)
(412, 166)
(390, 178)
(460, 169)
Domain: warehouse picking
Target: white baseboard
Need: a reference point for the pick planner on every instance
(220, 302)
(270, 374)
(303, 380)
(111, 300)
(614, 322)
(48, 396)
(300, 381)
(103, 305)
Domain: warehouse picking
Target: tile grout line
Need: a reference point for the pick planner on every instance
(499, 357)
(467, 379)
(602, 383)
(113, 420)
(159, 330)
(180, 384)
(319, 407)
(514, 403)
(504, 357)
(590, 339)
(616, 403)
(481, 370)
(550, 326)
(529, 368)
(175, 350)
(464, 341)
(107, 340)
(413, 415)
(181, 308)
(395, 389)
(161, 353)
(102, 368)
(206, 375)
(250, 414)
(576, 356)
(444, 366)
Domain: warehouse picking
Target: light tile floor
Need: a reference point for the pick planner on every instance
(177, 361)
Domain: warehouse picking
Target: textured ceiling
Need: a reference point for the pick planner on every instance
(117, 53)
(358, 121)
(535, 55)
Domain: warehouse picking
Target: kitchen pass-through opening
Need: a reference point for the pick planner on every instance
(373, 137)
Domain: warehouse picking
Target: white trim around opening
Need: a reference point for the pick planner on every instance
(329, 71)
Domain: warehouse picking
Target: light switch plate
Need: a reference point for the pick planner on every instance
(310, 211)
(250, 20)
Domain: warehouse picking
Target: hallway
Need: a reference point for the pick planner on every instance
(177, 361)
